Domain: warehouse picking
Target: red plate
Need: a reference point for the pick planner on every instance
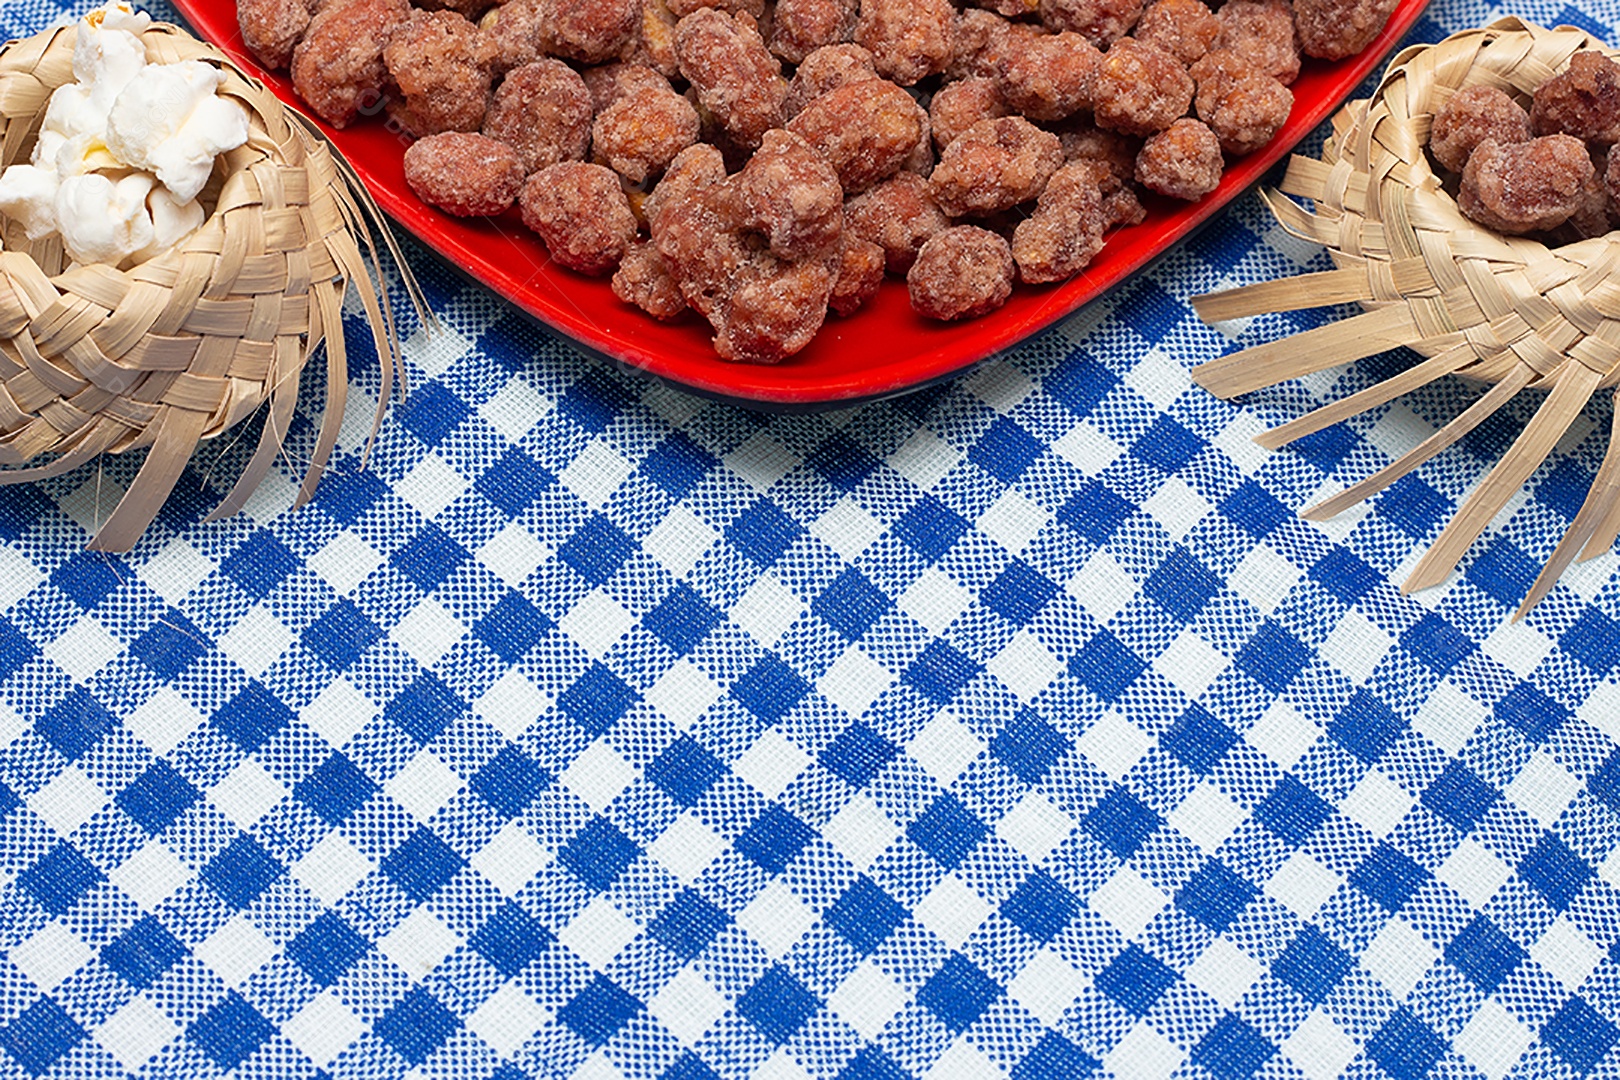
(883, 349)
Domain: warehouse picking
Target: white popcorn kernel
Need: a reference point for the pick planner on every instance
(168, 121)
(102, 221)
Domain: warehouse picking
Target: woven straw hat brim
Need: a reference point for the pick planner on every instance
(1508, 310)
(180, 348)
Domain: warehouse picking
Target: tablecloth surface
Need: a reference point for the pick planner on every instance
(1014, 728)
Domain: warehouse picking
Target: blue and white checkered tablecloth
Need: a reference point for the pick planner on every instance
(1016, 728)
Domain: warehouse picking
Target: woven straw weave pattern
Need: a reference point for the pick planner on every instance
(182, 347)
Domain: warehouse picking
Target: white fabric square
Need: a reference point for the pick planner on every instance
(924, 459)
(247, 793)
(271, 499)
(1448, 718)
(1013, 521)
(1158, 377)
(935, 600)
(513, 553)
(511, 859)
(597, 934)
(1144, 1054)
(772, 763)
(860, 832)
(1000, 386)
(1493, 1040)
(597, 623)
(345, 561)
(512, 704)
(1236, 439)
(780, 1066)
(1320, 1047)
(424, 785)
(854, 681)
(50, 956)
(1224, 972)
(1282, 734)
(598, 775)
(1601, 709)
(236, 950)
(1399, 957)
(1356, 646)
(515, 408)
(89, 504)
(1264, 578)
(1207, 816)
(1519, 646)
(136, 1032)
(760, 461)
(172, 572)
(338, 712)
(944, 747)
(1567, 954)
(84, 649)
(680, 540)
(151, 875)
(1034, 827)
(433, 351)
(952, 911)
(688, 1005)
(595, 1067)
(12, 726)
(1047, 986)
(776, 919)
(867, 999)
(1190, 663)
(596, 473)
(68, 800)
(687, 847)
(431, 485)
(419, 944)
(1474, 872)
(1102, 586)
(1543, 788)
(847, 528)
(1177, 507)
(1377, 803)
(1114, 745)
(427, 632)
(324, 1028)
(256, 641)
(1086, 448)
(1025, 666)
(960, 1060)
(331, 868)
(683, 693)
(1128, 901)
(1302, 884)
(766, 610)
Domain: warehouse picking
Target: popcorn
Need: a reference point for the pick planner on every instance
(123, 151)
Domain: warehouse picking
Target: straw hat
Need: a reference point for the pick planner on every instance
(1506, 310)
(179, 348)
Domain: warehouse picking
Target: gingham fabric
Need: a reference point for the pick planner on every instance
(1016, 728)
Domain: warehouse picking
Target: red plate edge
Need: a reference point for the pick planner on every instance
(882, 350)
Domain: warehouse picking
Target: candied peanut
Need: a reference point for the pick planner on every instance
(441, 64)
(1101, 22)
(860, 272)
(1110, 151)
(515, 29)
(644, 280)
(1593, 216)
(1048, 77)
(683, 8)
(800, 27)
(543, 111)
(609, 82)
(581, 213)
(899, 215)
(1335, 29)
(469, 9)
(697, 166)
(1183, 161)
(1525, 187)
(960, 104)
(908, 39)
(737, 80)
(824, 69)
(271, 28)
(1262, 32)
(338, 65)
(1584, 101)
(464, 174)
(1186, 29)
(653, 43)
(1008, 9)
(977, 42)
(641, 132)
(1472, 115)
(994, 165)
(1140, 89)
(866, 130)
(961, 273)
(1243, 105)
(789, 194)
(1066, 231)
(590, 31)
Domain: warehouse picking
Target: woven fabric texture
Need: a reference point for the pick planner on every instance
(1014, 728)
